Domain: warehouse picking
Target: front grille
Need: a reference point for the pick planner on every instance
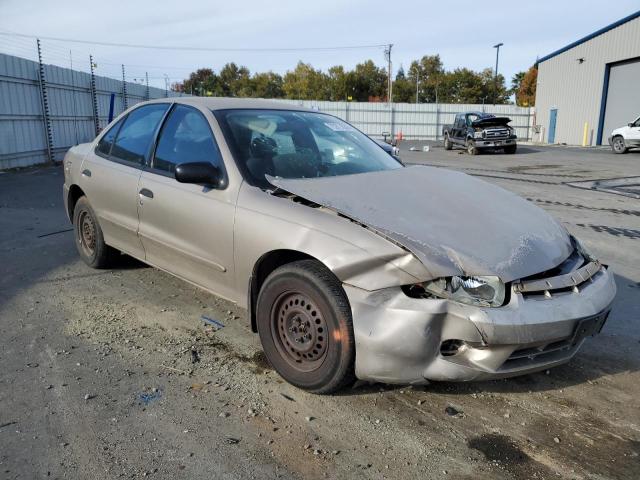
(496, 133)
(569, 276)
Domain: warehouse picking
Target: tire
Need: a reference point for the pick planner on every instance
(88, 237)
(305, 326)
(618, 145)
(511, 149)
(471, 147)
(447, 143)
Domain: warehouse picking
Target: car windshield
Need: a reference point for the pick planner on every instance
(292, 144)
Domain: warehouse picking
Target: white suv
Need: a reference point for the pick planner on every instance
(626, 137)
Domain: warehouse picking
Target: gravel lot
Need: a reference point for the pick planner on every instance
(113, 374)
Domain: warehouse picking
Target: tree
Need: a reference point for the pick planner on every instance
(428, 72)
(338, 84)
(526, 94)
(403, 89)
(267, 85)
(368, 82)
(306, 83)
(200, 82)
(235, 81)
(494, 89)
(516, 81)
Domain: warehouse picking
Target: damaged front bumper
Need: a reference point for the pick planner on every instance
(400, 339)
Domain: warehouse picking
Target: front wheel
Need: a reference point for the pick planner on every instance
(447, 143)
(511, 149)
(305, 326)
(618, 145)
(471, 147)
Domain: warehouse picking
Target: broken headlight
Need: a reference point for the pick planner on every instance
(582, 250)
(481, 291)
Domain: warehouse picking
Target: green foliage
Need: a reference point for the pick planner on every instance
(306, 83)
(366, 82)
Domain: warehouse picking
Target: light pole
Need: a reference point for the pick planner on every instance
(417, 83)
(495, 77)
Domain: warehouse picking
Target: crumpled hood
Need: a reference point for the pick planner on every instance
(491, 122)
(453, 223)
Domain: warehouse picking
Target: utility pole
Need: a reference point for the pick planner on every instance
(146, 79)
(387, 53)
(417, 82)
(495, 77)
(166, 85)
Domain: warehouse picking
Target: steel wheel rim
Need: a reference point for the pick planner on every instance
(87, 233)
(299, 331)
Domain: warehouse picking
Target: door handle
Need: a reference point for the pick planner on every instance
(86, 172)
(145, 192)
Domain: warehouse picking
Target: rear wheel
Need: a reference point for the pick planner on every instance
(511, 149)
(88, 236)
(304, 323)
(471, 147)
(618, 145)
(447, 143)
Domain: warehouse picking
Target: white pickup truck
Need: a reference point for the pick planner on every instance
(626, 137)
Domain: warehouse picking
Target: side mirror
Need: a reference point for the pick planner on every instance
(203, 173)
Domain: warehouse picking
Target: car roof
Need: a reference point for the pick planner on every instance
(223, 103)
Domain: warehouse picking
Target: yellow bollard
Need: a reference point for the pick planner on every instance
(584, 134)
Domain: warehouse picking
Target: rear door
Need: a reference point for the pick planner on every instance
(111, 172)
(187, 229)
(457, 127)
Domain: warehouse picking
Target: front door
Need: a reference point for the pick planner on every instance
(187, 229)
(553, 115)
(633, 135)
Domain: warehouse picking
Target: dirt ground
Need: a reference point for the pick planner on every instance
(114, 374)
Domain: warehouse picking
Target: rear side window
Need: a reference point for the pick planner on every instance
(185, 137)
(135, 136)
(104, 145)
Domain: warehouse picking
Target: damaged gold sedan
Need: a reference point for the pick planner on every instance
(350, 264)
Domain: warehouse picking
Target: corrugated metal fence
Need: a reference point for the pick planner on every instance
(421, 121)
(69, 94)
(70, 106)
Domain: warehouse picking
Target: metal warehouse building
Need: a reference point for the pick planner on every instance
(591, 86)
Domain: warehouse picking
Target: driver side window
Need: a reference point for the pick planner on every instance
(185, 137)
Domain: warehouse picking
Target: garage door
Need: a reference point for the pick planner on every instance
(623, 96)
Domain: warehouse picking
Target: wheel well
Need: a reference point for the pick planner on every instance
(75, 192)
(261, 270)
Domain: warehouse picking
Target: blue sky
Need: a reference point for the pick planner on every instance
(462, 32)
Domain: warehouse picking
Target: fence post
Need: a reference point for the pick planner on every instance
(44, 100)
(125, 103)
(94, 98)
